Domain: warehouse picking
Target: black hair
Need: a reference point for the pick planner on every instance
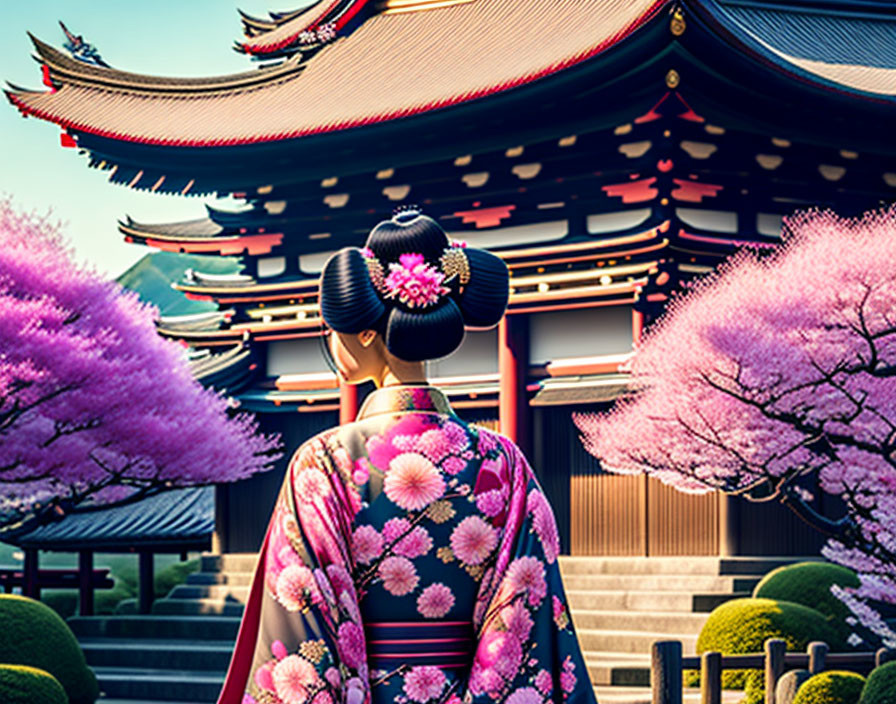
(350, 303)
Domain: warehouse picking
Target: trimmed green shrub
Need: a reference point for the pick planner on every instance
(880, 688)
(35, 635)
(809, 584)
(21, 684)
(174, 574)
(831, 687)
(106, 600)
(743, 626)
(63, 601)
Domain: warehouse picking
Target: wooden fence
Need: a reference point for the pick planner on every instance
(668, 663)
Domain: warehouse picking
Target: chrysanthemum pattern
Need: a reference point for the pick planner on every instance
(420, 507)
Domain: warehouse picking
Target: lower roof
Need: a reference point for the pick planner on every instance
(179, 518)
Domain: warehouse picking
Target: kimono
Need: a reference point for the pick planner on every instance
(411, 558)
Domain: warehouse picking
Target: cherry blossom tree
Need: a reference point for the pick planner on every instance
(779, 366)
(95, 407)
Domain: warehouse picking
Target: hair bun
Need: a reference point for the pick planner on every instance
(418, 324)
(484, 299)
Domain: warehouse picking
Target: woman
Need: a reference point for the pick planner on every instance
(411, 557)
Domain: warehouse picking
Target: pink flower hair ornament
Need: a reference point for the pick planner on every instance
(412, 281)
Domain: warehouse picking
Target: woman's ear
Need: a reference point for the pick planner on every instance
(366, 337)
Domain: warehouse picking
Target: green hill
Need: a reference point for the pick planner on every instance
(152, 276)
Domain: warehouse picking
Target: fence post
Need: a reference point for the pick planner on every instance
(774, 666)
(817, 652)
(665, 672)
(884, 655)
(711, 678)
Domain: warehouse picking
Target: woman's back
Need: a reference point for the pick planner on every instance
(411, 557)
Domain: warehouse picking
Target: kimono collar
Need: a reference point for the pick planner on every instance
(402, 398)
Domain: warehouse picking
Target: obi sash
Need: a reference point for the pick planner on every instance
(444, 644)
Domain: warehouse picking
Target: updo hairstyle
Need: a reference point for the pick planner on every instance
(350, 301)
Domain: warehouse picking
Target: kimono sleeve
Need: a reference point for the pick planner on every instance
(526, 650)
(301, 640)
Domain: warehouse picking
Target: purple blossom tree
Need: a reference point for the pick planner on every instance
(95, 407)
(773, 368)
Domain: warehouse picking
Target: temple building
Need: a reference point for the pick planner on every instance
(608, 151)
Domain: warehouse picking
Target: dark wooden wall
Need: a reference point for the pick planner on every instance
(599, 513)
(244, 508)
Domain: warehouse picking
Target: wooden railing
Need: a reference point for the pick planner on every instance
(668, 664)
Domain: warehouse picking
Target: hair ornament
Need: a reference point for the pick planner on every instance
(403, 214)
(414, 282)
(455, 263)
(376, 271)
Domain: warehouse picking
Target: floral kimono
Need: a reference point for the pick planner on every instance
(410, 558)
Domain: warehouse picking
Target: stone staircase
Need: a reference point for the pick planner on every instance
(179, 653)
(621, 605)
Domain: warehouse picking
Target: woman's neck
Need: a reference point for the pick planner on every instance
(402, 373)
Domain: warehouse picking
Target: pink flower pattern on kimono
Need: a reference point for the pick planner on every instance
(413, 493)
(423, 684)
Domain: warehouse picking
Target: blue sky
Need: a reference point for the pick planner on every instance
(191, 38)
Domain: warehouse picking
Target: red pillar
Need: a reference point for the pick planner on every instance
(348, 402)
(513, 363)
(637, 327)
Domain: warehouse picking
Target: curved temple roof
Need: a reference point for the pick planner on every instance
(387, 68)
(286, 32)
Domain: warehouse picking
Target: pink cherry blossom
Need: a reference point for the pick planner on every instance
(491, 503)
(415, 544)
(350, 642)
(544, 682)
(473, 540)
(433, 445)
(399, 575)
(544, 524)
(421, 684)
(774, 368)
(413, 482)
(454, 465)
(292, 677)
(312, 485)
(526, 574)
(97, 406)
(525, 695)
(367, 544)
(517, 620)
(435, 601)
(456, 438)
(292, 586)
(395, 528)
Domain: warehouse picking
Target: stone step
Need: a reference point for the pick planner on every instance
(229, 562)
(640, 621)
(643, 695)
(157, 685)
(229, 592)
(210, 578)
(619, 669)
(647, 601)
(196, 607)
(161, 654)
(622, 641)
(207, 627)
(655, 583)
(712, 566)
